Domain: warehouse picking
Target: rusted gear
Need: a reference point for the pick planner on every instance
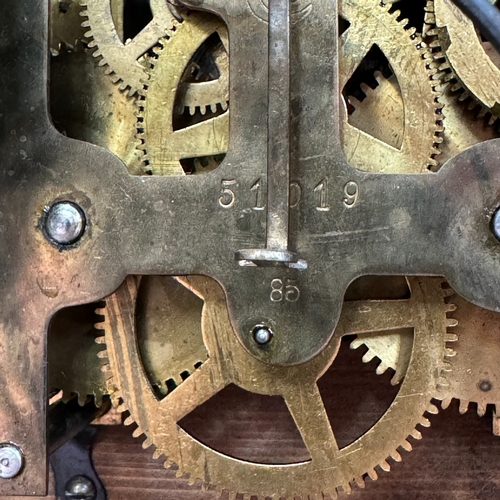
(410, 60)
(229, 363)
(167, 90)
(123, 58)
(471, 65)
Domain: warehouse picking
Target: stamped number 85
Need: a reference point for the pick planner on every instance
(287, 290)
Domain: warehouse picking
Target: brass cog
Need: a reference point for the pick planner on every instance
(476, 374)
(421, 117)
(381, 113)
(475, 378)
(410, 61)
(163, 145)
(123, 58)
(210, 94)
(466, 59)
(330, 468)
(75, 360)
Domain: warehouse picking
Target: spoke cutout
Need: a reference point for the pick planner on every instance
(247, 426)
(373, 91)
(166, 308)
(354, 398)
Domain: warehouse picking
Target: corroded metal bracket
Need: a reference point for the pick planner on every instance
(342, 224)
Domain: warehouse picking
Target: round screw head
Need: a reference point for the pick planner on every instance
(262, 335)
(11, 461)
(80, 488)
(65, 223)
(495, 224)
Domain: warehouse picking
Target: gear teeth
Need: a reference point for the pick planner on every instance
(396, 456)
(450, 353)
(368, 356)
(137, 432)
(372, 474)
(445, 403)
(347, 488)
(147, 443)
(464, 406)
(128, 421)
(384, 465)
(451, 337)
(381, 368)
(360, 481)
(432, 409)
(425, 422)
(416, 434)
(481, 409)
(407, 446)
(157, 454)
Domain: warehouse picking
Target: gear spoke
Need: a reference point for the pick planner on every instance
(371, 316)
(198, 388)
(122, 57)
(186, 143)
(308, 410)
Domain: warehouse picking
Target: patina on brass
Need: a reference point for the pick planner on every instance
(347, 223)
(229, 363)
(473, 62)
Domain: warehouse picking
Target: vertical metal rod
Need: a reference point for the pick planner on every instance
(278, 162)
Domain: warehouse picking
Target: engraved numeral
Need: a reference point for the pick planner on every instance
(351, 192)
(227, 198)
(322, 190)
(259, 205)
(281, 291)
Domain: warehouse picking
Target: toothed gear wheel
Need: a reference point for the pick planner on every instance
(76, 365)
(420, 124)
(471, 66)
(330, 467)
(163, 145)
(124, 59)
(476, 372)
(381, 113)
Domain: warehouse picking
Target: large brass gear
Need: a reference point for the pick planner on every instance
(164, 146)
(462, 129)
(472, 66)
(409, 59)
(475, 378)
(330, 468)
(122, 58)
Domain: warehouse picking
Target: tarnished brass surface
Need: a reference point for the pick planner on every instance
(122, 58)
(284, 216)
(164, 145)
(466, 54)
(330, 468)
(415, 148)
